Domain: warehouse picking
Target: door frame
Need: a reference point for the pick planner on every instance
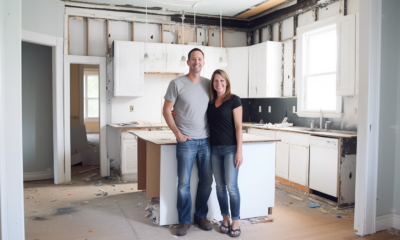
(56, 44)
(101, 61)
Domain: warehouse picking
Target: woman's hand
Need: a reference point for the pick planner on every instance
(238, 159)
(173, 113)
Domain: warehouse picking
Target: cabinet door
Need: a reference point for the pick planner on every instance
(346, 71)
(129, 156)
(257, 73)
(128, 71)
(282, 160)
(238, 70)
(174, 55)
(211, 58)
(299, 164)
(273, 70)
(288, 69)
(158, 57)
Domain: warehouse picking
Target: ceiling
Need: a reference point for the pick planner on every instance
(230, 8)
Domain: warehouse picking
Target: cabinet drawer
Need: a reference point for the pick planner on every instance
(262, 132)
(127, 136)
(294, 138)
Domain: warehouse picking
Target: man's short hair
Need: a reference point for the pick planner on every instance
(195, 49)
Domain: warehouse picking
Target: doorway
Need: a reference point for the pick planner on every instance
(85, 113)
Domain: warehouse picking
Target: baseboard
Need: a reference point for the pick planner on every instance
(33, 176)
(396, 221)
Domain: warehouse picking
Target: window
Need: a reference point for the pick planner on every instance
(91, 95)
(320, 70)
(325, 66)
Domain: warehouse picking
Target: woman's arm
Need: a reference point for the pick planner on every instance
(237, 117)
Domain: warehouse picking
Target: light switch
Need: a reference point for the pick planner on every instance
(259, 108)
(131, 108)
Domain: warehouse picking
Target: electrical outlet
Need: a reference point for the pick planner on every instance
(131, 108)
(294, 109)
(259, 108)
(269, 109)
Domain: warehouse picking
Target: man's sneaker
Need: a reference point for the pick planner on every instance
(182, 229)
(203, 223)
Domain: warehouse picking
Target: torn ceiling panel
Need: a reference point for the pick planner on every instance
(230, 8)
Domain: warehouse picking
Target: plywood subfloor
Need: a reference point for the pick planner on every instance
(70, 211)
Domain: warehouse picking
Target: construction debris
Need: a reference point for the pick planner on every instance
(314, 205)
(297, 198)
(151, 213)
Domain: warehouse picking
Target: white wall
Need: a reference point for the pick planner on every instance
(12, 201)
(388, 106)
(37, 113)
(43, 16)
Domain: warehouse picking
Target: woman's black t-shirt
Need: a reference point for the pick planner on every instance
(221, 122)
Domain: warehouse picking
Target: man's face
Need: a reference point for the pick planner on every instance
(196, 62)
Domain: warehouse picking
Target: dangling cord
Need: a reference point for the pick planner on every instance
(220, 21)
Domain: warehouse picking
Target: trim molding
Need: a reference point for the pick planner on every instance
(387, 221)
(33, 176)
(384, 222)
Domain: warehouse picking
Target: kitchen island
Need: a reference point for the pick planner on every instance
(157, 175)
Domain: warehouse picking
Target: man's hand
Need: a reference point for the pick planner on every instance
(238, 159)
(182, 138)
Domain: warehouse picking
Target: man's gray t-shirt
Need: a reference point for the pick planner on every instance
(191, 102)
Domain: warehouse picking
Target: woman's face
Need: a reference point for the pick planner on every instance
(219, 84)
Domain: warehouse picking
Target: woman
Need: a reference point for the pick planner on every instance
(225, 119)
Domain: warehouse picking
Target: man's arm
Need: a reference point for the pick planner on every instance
(171, 122)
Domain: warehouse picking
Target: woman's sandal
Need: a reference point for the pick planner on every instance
(227, 228)
(235, 232)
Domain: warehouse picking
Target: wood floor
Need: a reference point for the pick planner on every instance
(71, 211)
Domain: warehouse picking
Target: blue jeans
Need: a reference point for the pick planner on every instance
(226, 176)
(186, 153)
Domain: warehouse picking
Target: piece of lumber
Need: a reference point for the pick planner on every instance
(87, 36)
(133, 31)
(108, 36)
(162, 32)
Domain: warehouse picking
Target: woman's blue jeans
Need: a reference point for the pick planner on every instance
(226, 177)
(186, 153)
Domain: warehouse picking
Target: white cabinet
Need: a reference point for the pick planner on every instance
(346, 71)
(282, 160)
(211, 58)
(288, 69)
(128, 155)
(158, 57)
(238, 70)
(174, 55)
(298, 164)
(128, 72)
(262, 132)
(265, 70)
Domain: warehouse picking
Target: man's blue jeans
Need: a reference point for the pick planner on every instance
(226, 177)
(186, 153)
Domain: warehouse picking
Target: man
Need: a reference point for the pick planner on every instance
(189, 96)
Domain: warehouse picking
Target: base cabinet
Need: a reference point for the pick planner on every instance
(128, 166)
(298, 164)
(282, 160)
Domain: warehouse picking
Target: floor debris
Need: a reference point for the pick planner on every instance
(314, 205)
(151, 213)
(297, 198)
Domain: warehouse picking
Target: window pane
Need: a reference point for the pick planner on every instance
(93, 86)
(322, 52)
(93, 108)
(321, 92)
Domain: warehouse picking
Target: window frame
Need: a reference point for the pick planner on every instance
(85, 93)
(302, 67)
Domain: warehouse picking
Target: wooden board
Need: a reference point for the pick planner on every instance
(260, 8)
(292, 184)
(141, 164)
(153, 155)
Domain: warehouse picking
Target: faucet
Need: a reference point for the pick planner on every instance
(326, 124)
(261, 121)
(320, 118)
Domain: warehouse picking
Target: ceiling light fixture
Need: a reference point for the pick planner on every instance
(146, 58)
(183, 58)
(221, 63)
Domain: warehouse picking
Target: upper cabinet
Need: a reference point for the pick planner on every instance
(265, 66)
(128, 72)
(211, 59)
(346, 68)
(158, 57)
(238, 70)
(174, 55)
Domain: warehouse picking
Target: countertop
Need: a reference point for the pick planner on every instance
(168, 137)
(314, 132)
(137, 126)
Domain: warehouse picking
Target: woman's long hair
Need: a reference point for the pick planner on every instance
(213, 93)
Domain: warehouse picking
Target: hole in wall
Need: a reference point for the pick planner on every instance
(212, 34)
(172, 42)
(202, 43)
(200, 34)
(151, 37)
(109, 35)
(350, 175)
